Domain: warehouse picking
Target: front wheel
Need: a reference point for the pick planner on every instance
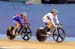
(59, 35)
(26, 34)
(39, 34)
(9, 33)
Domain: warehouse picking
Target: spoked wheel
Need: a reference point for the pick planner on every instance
(26, 34)
(59, 35)
(9, 33)
(39, 36)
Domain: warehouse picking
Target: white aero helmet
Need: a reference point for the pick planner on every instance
(24, 14)
(54, 11)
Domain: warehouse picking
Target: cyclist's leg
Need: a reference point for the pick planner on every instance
(16, 26)
(49, 25)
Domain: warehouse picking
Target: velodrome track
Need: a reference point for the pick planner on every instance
(20, 44)
(34, 44)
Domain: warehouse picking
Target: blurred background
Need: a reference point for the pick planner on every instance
(43, 1)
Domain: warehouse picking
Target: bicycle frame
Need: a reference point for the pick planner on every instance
(54, 28)
(21, 27)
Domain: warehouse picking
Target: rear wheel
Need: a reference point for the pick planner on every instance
(9, 33)
(59, 35)
(26, 34)
(39, 36)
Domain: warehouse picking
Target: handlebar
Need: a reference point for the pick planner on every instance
(59, 25)
(26, 25)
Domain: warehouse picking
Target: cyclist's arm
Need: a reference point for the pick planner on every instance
(53, 22)
(57, 21)
(24, 19)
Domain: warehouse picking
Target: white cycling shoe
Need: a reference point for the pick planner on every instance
(49, 33)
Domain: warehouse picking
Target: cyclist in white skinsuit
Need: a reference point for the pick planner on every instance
(49, 19)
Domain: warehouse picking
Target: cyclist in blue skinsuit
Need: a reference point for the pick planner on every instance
(19, 19)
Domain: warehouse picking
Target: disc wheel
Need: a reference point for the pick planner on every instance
(9, 33)
(39, 36)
